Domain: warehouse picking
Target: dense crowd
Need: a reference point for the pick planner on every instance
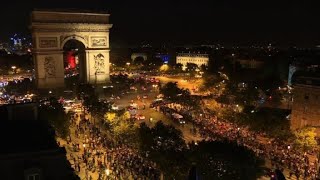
(99, 157)
(281, 154)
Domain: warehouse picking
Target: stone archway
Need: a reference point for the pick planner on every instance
(74, 56)
(135, 55)
(52, 30)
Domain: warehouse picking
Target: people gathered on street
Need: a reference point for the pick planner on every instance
(96, 156)
(281, 155)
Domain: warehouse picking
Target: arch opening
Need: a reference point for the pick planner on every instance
(74, 58)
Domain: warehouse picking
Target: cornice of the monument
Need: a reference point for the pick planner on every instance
(67, 27)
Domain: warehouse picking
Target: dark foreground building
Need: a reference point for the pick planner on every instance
(29, 152)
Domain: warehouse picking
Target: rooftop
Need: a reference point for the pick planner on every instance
(26, 136)
(309, 78)
(193, 55)
(54, 16)
(73, 10)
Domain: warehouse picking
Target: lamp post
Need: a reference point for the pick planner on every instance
(128, 64)
(14, 69)
(107, 171)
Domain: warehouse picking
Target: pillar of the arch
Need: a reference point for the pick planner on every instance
(82, 66)
(97, 66)
(49, 69)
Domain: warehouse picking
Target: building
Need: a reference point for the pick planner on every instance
(306, 106)
(29, 150)
(198, 59)
(21, 111)
(55, 32)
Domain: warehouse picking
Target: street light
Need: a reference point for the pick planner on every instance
(14, 69)
(107, 171)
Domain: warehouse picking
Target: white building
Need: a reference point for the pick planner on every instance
(198, 59)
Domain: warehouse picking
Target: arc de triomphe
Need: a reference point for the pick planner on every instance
(51, 30)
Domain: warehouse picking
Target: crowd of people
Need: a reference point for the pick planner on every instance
(95, 156)
(281, 154)
(92, 152)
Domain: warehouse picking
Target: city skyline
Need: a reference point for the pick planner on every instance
(187, 22)
(227, 89)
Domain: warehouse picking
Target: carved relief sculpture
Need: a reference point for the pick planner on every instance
(99, 65)
(49, 67)
(99, 41)
(48, 42)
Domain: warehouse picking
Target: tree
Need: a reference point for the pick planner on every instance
(121, 127)
(55, 115)
(213, 82)
(191, 68)
(272, 122)
(305, 138)
(178, 67)
(188, 100)
(247, 96)
(110, 117)
(21, 87)
(225, 160)
(97, 108)
(154, 63)
(166, 148)
(203, 68)
(170, 90)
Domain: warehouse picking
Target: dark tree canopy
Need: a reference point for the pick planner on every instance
(55, 115)
(170, 90)
(225, 160)
(166, 148)
(213, 160)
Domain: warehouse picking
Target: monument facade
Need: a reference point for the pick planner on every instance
(51, 30)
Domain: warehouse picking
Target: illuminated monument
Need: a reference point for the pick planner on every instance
(54, 32)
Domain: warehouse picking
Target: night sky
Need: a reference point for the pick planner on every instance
(199, 21)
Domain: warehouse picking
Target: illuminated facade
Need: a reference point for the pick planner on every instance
(53, 30)
(198, 59)
(306, 106)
